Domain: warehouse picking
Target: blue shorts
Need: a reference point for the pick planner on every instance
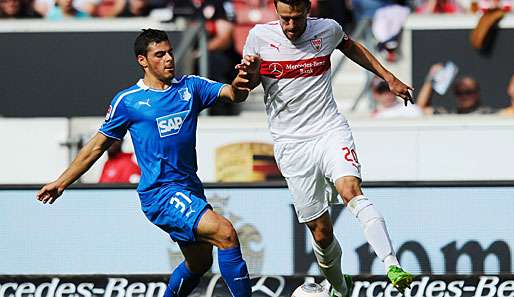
(177, 212)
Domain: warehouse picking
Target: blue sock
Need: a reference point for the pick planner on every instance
(182, 282)
(234, 271)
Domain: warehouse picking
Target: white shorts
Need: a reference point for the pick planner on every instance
(312, 167)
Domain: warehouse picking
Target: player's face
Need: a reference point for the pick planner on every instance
(159, 61)
(293, 19)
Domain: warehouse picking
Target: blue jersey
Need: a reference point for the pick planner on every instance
(162, 124)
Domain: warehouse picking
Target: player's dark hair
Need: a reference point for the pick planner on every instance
(294, 3)
(146, 37)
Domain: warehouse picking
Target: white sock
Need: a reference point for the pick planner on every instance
(329, 262)
(375, 229)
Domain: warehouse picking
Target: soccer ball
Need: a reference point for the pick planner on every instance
(310, 290)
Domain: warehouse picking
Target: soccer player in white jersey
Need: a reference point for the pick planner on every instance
(314, 147)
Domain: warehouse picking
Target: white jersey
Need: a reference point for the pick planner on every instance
(296, 78)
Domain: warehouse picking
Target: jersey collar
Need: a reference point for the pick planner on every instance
(142, 85)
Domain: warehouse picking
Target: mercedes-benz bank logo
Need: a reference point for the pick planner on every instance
(276, 69)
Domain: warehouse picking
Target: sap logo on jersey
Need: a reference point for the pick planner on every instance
(170, 124)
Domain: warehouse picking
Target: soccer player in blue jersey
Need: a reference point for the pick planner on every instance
(160, 111)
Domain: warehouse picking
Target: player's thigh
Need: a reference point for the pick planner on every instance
(198, 256)
(305, 181)
(217, 230)
(338, 155)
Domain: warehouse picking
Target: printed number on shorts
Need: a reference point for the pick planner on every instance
(350, 155)
(175, 200)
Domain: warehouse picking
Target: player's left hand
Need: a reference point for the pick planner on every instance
(401, 90)
(50, 192)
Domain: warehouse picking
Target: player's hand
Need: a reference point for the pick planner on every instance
(401, 90)
(50, 192)
(249, 65)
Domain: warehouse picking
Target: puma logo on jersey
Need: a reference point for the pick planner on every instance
(170, 124)
(147, 102)
(275, 47)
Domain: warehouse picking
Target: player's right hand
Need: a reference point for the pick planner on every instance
(249, 64)
(50, 192)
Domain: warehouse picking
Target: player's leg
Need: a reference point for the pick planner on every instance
(198, 260)
(298, 163)
(188, 219)
(341, 166)
(375, 229)
(328, 254)
(217, 230)
(370, 218)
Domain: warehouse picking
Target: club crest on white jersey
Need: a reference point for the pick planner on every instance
(316, 44)
(170, 124)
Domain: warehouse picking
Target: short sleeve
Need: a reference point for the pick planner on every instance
(207, 90)
(250, 47)
(116, 120)
(340, 37)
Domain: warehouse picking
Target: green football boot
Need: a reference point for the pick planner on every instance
(400, 279)
(349, 286)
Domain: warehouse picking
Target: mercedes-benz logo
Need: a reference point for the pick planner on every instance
(276, 69)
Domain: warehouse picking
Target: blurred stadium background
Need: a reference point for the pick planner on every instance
(445, 183)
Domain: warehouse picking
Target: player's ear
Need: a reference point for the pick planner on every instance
(142, 61)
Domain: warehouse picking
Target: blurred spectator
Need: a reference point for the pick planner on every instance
(365, 9)
(388, 106)
(387, 27)
(44, 6)
(440, 6)
(136, 8)
(219, 19)
(107, 8)
(510, 90)
(387, 19)
(466, 90)
(119, 167)
(17, 9)
(64, 9)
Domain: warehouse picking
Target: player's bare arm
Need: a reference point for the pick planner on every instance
(360, 55)
(86, 157)
(244, 81)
